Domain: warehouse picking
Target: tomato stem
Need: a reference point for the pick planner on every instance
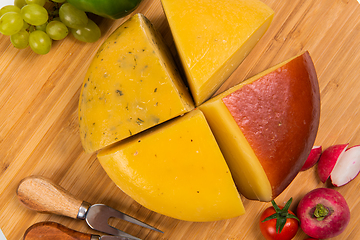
(320, 212)
(281, 215)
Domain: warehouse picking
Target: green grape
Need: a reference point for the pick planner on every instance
(90, 33)
(34, 14)
(38, 2)
(11, 23)
(72, 16)
(40, 42)
(20, 40)
(31, 28)
(41, 27)
(19, 3)
(57, 30)
(9, 8)
(25, 25)
(59, 1)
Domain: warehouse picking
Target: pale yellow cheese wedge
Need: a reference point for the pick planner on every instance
(266, 126)
(247, 171)
(175, 169)
(132, 84)
(213, 37)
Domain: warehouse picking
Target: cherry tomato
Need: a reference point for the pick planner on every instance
(278, 223)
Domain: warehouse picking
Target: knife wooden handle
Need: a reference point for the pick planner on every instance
(52, 230)
(42, 195)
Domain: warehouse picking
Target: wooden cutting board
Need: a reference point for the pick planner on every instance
(39, 125)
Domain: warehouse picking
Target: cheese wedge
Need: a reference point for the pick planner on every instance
(175, 169)
(266, 126)
(213, 37)
(132, 84)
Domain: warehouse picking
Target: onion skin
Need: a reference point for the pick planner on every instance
(331, 225)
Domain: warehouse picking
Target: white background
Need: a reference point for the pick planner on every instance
(6, 2)
(2, 237)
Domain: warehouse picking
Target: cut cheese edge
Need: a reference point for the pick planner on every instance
(132, 84)
(175, 169)
(212, 43)
(270, 119)
(248, 174)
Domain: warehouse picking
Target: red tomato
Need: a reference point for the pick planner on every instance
(268, 228)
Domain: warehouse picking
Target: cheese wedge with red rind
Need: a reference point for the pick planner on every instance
(175, 169)
(266, 126)
(213, 37)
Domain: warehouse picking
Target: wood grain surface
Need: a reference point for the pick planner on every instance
(39, 132)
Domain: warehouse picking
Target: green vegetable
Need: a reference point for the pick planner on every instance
(112, 9)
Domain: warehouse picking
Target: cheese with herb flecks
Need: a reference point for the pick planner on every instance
(131, 85)
(175, 169)
(213, 37)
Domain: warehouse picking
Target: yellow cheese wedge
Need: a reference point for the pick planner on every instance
(175, 169)
(213, 37)
(132, 84)
(266, 126)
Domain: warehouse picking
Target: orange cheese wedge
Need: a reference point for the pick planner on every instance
(266, 126)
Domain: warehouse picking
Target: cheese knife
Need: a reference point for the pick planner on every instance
(42, 195)
(53, 230)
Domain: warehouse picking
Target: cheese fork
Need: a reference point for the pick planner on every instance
(42, 195)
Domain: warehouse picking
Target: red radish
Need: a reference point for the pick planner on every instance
(313, 158)
(328, 160)
(323, 213)
(347, 167)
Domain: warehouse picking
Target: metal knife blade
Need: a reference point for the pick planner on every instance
(109, 237)
(53, 230)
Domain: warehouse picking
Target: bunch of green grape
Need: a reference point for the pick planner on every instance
(36, 23)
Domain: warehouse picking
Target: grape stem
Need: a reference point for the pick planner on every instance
(55, 11)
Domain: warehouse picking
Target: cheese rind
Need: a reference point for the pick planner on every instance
(132, 84)
(277, 112)
(175, 169)
(212, 43)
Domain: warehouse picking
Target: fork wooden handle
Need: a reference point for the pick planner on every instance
(52, 230)
(42, 195)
